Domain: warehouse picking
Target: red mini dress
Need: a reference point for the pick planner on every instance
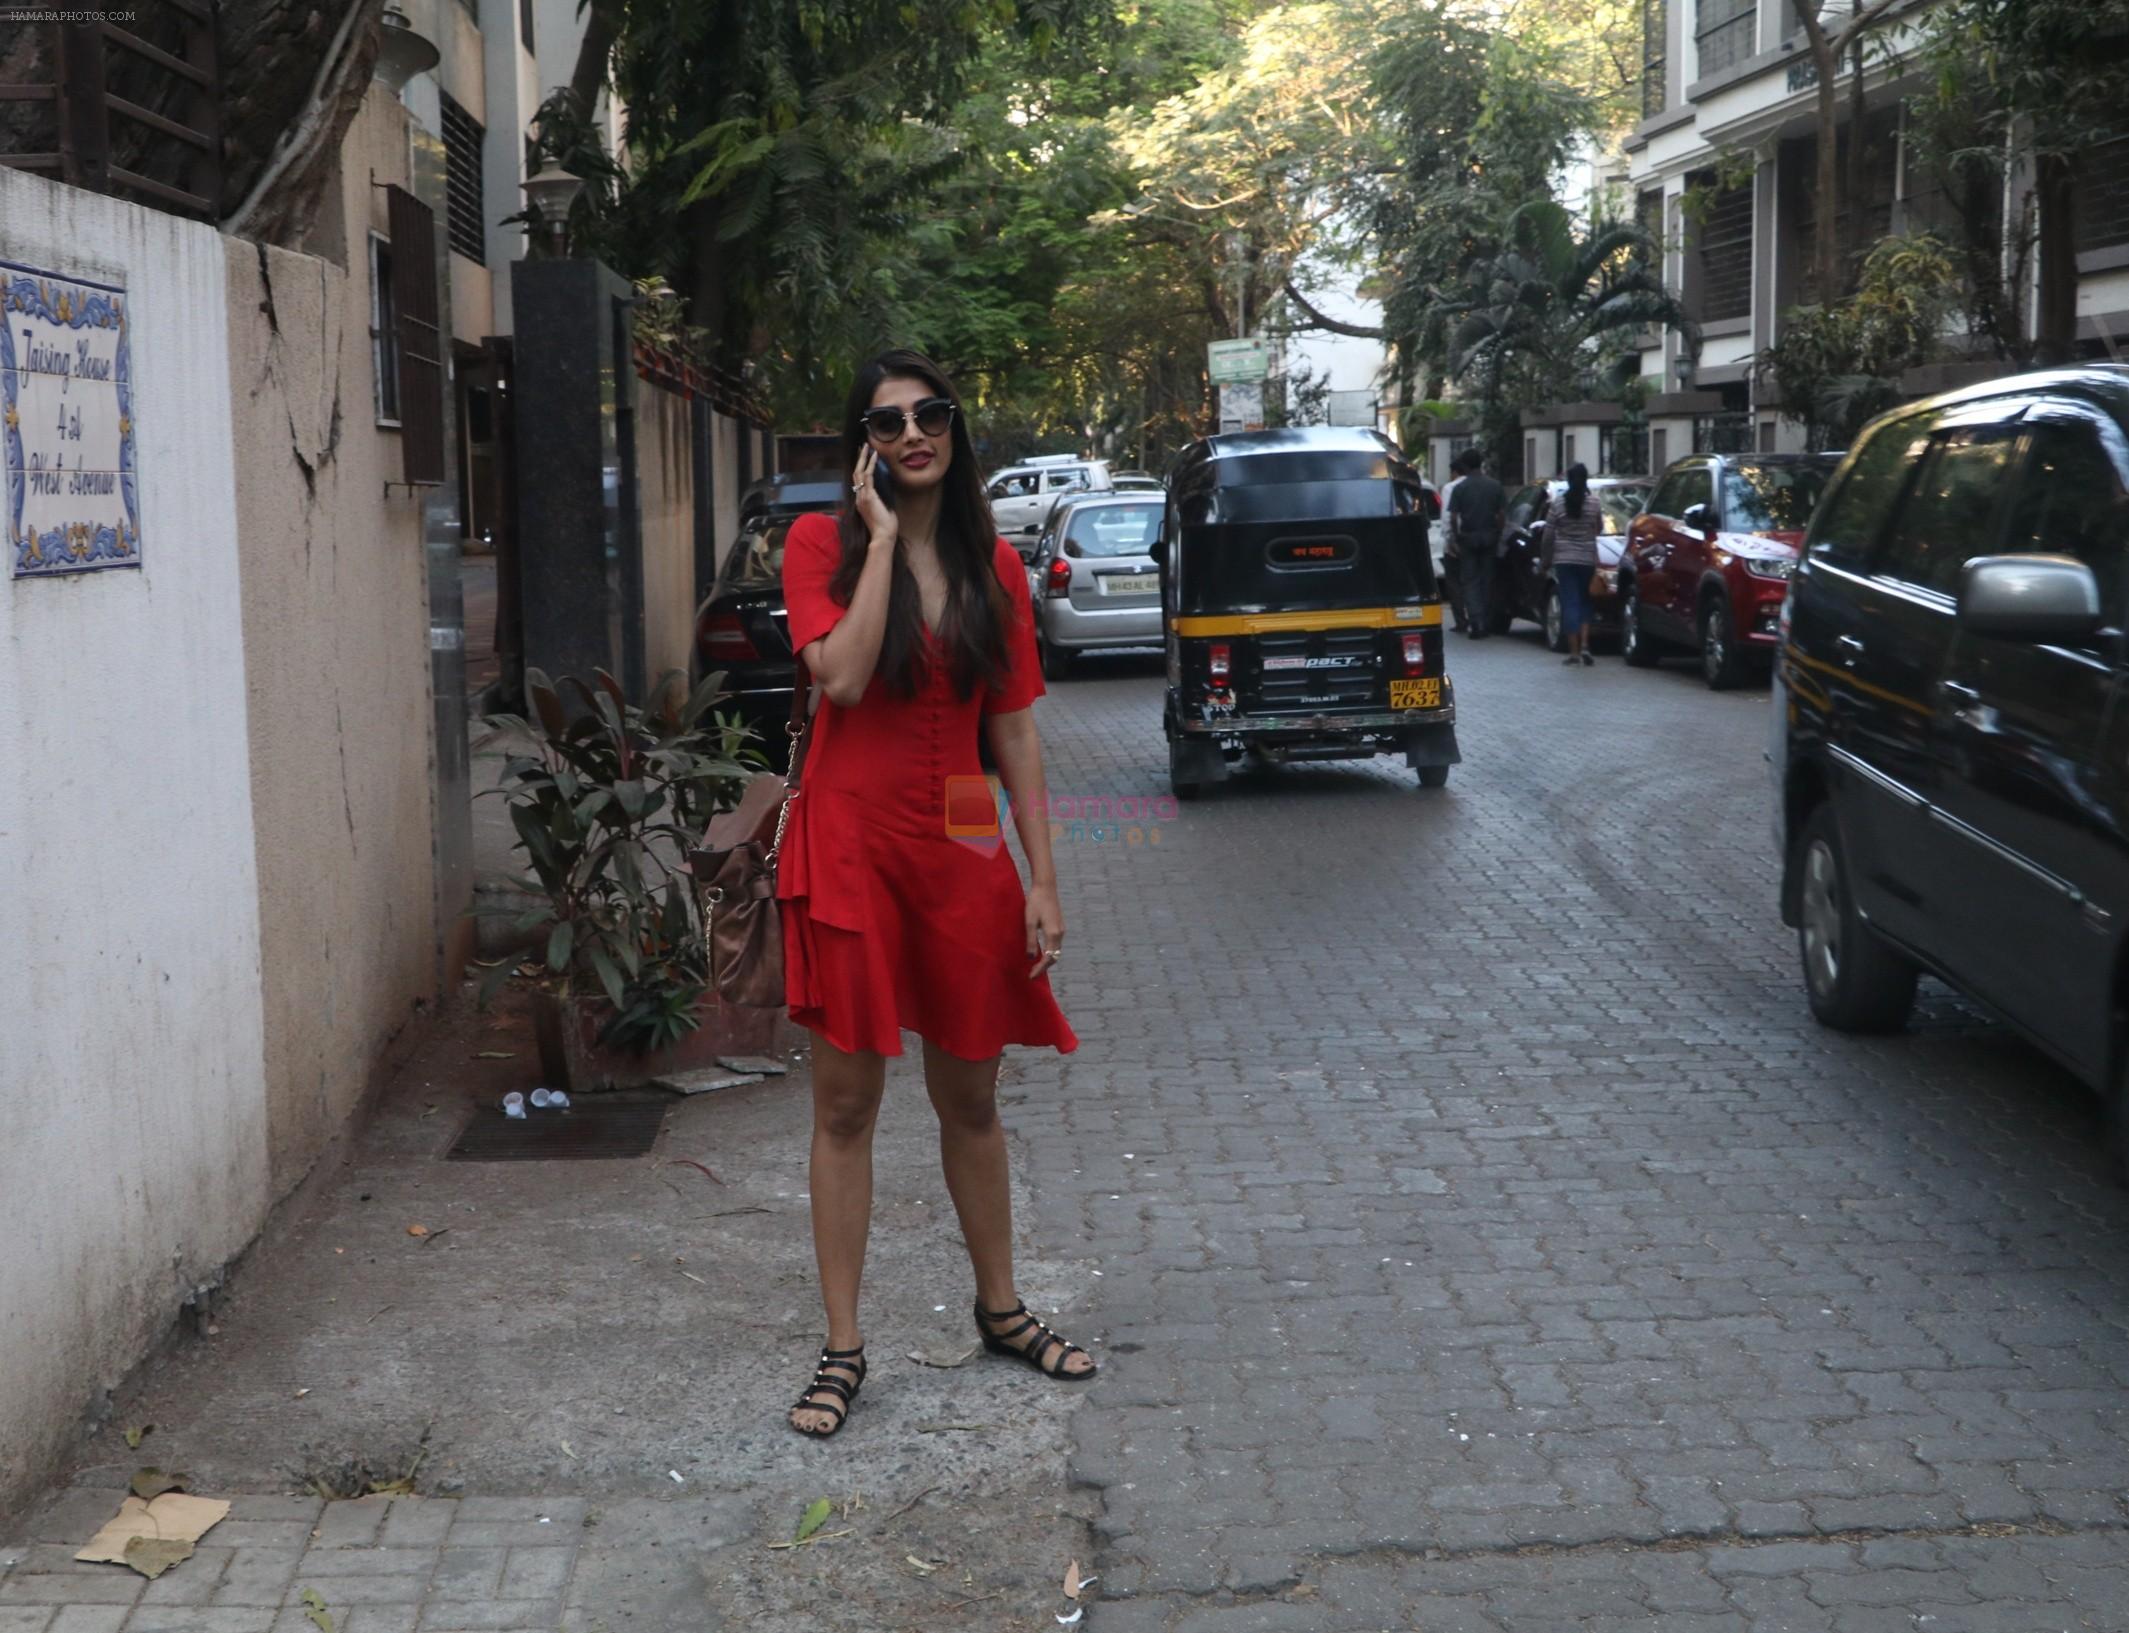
(901, 905)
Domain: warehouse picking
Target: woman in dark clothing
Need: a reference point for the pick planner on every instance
(1572, 523)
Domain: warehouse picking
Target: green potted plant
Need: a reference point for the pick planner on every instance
(606, 803)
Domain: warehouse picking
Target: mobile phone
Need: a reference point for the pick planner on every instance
(883, 479)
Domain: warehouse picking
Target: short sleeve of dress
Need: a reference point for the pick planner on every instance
(812, 550)
(1023, 683)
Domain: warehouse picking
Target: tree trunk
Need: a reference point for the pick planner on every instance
(588, 78)
(1826, 246)
(2057, 307)
(1857, 238)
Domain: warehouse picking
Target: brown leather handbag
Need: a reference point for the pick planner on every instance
(735, 876)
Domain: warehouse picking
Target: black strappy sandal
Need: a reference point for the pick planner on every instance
(826, 1381)
(1037, 1353)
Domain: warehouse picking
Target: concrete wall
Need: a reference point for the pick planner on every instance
(724, 465)
(336, 665)
(215, 812)
(665, 490)
(136, 1158)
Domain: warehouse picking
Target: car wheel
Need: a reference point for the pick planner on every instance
(1433, 776)
(1555, 620)
(1634, 646)
(1056, 662)
(1855, 982)
(1722, 662)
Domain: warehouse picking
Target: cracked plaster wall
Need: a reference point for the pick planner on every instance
(216, 793)
(336, 666)
(131, 1059)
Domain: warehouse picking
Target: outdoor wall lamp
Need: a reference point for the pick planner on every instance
(402, 52)
(552, 193)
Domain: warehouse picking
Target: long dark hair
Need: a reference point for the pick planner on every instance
(972, 628)
(1577, 488)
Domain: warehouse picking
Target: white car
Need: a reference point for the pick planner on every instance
(1022, 495)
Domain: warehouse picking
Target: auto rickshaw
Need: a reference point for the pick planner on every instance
(1301, 614)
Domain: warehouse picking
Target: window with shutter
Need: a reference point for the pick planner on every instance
(1726, 33)
(421, 368)
(466, 208)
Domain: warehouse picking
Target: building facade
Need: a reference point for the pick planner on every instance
(1729, 103)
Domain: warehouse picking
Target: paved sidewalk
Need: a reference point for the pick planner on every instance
(566, 1340)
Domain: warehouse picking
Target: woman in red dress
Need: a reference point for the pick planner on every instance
(901, 906)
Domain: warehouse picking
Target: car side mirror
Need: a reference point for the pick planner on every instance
(1159, 549)
(1699, 518)
(2029, 598)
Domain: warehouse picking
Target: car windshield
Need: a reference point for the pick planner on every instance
(1112, 530)
(1771, 498)
(758, 558)
(1620, 506)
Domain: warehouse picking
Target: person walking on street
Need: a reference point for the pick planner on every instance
(913, 617)
(1475, 518)
(1572, 523)
(1452, 566)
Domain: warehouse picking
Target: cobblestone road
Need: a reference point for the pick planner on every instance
(1491, 1240)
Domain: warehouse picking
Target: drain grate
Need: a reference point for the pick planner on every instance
(593, 1127)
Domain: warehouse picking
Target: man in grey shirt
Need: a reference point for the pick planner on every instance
(1477, 510)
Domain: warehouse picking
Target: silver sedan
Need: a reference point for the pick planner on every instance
(1094, 580)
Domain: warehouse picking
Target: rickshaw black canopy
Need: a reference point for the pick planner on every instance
(1296, 520)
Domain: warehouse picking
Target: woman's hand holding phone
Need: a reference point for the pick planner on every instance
(871, 483)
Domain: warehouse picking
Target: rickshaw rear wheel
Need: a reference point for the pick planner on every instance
(1180, 786)
(1433, 776)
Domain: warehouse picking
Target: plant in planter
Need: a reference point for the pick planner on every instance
(605, 808)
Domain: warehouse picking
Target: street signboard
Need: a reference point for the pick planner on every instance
(1233, 362)
(1242, 406)
(1352, 408)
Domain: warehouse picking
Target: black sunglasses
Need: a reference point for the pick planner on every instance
(933, 415)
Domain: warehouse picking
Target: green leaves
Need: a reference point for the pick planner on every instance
(813, 1519)
(605, 811)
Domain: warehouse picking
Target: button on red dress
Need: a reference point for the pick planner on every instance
(901, 905)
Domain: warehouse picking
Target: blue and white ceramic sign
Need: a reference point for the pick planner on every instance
(66, 419)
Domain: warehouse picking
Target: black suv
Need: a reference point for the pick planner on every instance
(1951, 737)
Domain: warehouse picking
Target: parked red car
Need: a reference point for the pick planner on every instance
(1708, 562)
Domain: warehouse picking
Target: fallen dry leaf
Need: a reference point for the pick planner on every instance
(149, 1484)
(955, 1428)
(940, 1358)
(495, 1054)
(151, 1556)
(137, 1434)
(417, 1230)
(924, 1566)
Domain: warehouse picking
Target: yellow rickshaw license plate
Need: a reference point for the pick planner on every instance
(1416, 694)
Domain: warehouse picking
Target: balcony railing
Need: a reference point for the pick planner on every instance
(1624, 451)
(105, 142)
(1722, 433)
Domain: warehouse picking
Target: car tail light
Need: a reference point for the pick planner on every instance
(1217, 660)
(1059, 581)
(1415, 654)
(725, 637)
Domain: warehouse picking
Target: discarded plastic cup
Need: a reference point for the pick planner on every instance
(557, 1100)
(542, 1098)
(513, 1104)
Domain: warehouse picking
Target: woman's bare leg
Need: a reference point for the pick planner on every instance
(846, 1107)
(972, 1152)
